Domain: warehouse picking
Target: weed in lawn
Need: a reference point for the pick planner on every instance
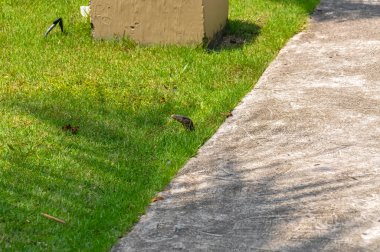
(121, 95)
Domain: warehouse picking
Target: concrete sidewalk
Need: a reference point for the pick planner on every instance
(297, 166)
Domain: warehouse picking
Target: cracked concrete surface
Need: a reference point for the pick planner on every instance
(297, 166)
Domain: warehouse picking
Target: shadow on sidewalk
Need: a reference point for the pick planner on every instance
(250, 215)
(350, 10)
(340, 10)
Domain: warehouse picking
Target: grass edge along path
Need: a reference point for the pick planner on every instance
(68, 190)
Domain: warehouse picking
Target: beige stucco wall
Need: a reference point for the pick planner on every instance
(215, 13)
(158, 21)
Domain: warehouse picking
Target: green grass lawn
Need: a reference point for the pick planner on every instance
(121, 95)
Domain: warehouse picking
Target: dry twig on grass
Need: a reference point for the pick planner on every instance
(53, 218)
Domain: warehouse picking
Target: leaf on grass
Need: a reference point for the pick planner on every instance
(74, 130)
(66, 127)
(69, 128)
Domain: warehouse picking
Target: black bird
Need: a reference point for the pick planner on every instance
(186, 122)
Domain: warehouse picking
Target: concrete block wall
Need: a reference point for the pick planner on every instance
(159, 21)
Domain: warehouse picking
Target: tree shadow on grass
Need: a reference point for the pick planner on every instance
(236, 34)
(104, 168)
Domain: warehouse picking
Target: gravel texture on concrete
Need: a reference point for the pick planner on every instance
(296, 168)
